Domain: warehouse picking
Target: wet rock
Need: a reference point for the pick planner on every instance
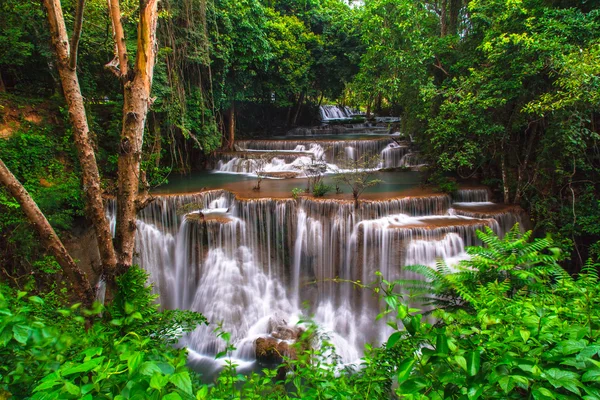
(270, 350)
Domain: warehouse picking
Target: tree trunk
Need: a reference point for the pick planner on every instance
(231, 126)
(523, 167)
(2, 85)
(47, 235)
(378, 101)
(454, 14)
(321, 98)
(300, 101)
(157, 146)
(81, 133)
(443, 18)
(504, 176)
(136, 96)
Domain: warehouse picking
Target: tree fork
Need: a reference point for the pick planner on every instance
(137, 100)
(77, 115)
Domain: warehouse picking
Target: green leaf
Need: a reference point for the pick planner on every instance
(172, 396)
(393, 339)
(148, 368)
(414, 385)
(21, 333)
(506, 383)
(542, 394)
(405, 368)
(202, 393)
(592, 375)
(69, 387)
(441, 345)
(134, 361)
(571, 346)
(182, 381)
(158, 381)
(36, 300)
(473, 362)
(560, 378)
(475, 392)
(525, 334)
(461, 361)
(47, 385)
(128, 308)
(85, 367)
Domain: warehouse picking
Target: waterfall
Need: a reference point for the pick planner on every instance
(293, 155)
(331, 112)
(251, 264)
(472, 195)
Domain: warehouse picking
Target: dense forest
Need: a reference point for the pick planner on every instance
(105, 102)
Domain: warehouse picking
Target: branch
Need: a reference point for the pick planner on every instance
(121, 59)
(47, 235)
(439, 66)
(76, 33)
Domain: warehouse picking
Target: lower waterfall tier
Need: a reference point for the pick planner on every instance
(247, 262)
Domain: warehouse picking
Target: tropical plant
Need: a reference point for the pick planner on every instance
(358, 174)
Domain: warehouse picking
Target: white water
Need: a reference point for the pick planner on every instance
(332, 113)
(295, 155)
(252, 265)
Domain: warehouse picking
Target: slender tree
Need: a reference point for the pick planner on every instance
(137, 85)
(137, 82)
(47, 235)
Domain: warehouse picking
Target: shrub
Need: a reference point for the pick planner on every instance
(320, 189)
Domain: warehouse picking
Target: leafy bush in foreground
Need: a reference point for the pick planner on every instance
(509, 324)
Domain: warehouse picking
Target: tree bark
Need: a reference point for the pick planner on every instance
(443, 18)
(505, 187)
(231, 126)
(48, 236)
(455, 6)
(523, 167)
(300, 101)
(76, 34)
(81, 133)
(121, 58)
(136, 96)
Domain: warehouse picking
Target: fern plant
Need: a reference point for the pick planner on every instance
(510, 265)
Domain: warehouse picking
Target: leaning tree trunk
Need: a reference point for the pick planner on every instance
(66, 65)
(136, 96)
(47, 235)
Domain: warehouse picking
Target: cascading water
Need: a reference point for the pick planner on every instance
(293, 155)
(251, 264)
(332, 112)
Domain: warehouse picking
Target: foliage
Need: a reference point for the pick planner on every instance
(296, 192)
(40, 157)
(320, 189)
(520, 327)
(513, 335)
(358, 173)
(49, 352)
(503, 90)
(259, 165)
(314, 170)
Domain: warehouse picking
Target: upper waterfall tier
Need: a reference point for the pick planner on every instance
(293, 155)
(333, 112)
